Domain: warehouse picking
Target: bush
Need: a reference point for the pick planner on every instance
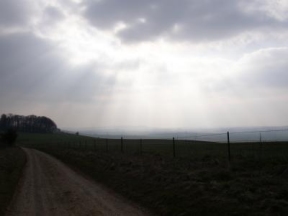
(9, 137)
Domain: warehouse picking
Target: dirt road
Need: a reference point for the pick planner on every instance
(48, 187)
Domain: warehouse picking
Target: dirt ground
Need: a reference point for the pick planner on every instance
(48, 187)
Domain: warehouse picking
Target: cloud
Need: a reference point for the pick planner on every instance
(276, 9)
(86, 56)
(33, 70)
(52, 15)
(179, 20)
(262, 73)
(265, 68)
(14, 12)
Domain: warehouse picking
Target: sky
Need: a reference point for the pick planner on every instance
(146, 63)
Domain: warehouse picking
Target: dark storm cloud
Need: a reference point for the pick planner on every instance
(195, 20)
(31, 70)
(14, 12)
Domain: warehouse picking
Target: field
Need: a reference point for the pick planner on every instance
(198, 181)
(12, 160)
(163, 147)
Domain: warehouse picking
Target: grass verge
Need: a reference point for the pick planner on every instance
(202, 186)
(12, 161)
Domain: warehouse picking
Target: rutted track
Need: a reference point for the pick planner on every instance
(49, 187)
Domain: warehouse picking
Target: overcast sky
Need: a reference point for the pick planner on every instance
(155, 63)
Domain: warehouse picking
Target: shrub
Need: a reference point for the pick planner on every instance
(9, 137)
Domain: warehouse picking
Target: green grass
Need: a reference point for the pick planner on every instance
(12, 161)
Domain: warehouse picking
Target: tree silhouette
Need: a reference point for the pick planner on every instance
(3, 121)
(31, 123)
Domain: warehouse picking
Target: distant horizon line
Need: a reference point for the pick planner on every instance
(159, 129)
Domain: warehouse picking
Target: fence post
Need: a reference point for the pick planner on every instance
(106, 145)
(121, 144)
(94, 144)
(228, 145)
(140, 146)
(174, 153)
(261, 147)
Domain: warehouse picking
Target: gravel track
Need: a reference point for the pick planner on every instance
(49, 187)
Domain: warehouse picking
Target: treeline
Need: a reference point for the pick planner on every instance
(31, 123)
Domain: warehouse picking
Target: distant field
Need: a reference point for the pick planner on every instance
(46, 138)
(165, 147)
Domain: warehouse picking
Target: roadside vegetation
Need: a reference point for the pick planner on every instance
(12, 161)
(12, 157)
(206, 185)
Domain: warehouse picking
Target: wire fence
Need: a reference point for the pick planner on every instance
(229, 145)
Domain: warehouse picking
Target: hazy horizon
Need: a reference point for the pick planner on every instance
(156, 64)
(237, 134)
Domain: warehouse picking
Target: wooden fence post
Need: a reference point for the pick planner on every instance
(261, 147)
(140, 146)
(106, 145)
(121, 144)
(174, 152)
(228, 146)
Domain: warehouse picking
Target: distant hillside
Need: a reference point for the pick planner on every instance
(31, 123)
